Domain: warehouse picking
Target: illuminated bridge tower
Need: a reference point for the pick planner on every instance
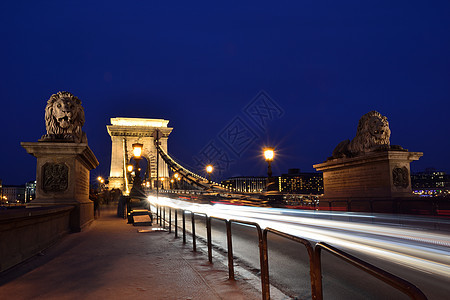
(124, 133)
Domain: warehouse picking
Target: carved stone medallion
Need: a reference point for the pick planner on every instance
(400, 177)
(55, 177)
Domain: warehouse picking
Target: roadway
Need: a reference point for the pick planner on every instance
(416, 249)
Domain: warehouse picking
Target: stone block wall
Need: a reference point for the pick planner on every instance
(26, 232)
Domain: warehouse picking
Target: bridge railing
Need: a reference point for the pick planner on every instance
(314, 253)
(398, 283)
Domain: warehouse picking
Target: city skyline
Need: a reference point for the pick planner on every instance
(204, 67)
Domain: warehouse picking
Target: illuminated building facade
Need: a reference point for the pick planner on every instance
(18, 193)
(249, 184)
(430, 183)
(14, 193)
(30, 191)
(296, 182)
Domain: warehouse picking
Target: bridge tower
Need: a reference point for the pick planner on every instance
(124, 133)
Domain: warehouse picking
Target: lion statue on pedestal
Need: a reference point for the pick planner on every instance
(373, 134)
(64, 118)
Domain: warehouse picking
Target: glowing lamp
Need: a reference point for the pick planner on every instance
(137, 150)
(209, 169)
(268, 154)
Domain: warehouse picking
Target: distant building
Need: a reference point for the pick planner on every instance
(2, 199)
(430, 183)
(30, 191)
(297, 182)
(249, 184)
(14, 193)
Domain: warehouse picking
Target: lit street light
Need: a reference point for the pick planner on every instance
(137, 151)
(271, 186)
(130, 168)
(101, 182)
(128, 178)
(268, 155)
(136, 190)
(177, 178)
(209, 169)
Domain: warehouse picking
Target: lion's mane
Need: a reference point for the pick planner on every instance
(54, 129)
(372, 134)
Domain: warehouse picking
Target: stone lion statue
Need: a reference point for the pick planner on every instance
(372, 134)
(64, 117)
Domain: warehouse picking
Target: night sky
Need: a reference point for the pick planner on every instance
(317, 65)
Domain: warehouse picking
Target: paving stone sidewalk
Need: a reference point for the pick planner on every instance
(112, 260)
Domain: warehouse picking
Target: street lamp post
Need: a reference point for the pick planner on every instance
(158, 135)
(136, 190)
(101, 182)
(129, 176)
(209, 169)
(162, 183)
(271, 184)
(177, 177)
(268, 155)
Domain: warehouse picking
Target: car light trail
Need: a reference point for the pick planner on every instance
(418, 249)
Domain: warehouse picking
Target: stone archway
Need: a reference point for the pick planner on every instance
(124, 133)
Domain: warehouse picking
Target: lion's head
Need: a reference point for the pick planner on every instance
(64, 117)
(373, 133)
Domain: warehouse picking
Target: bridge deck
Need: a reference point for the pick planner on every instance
(112, 260)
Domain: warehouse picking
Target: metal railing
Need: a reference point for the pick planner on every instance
(396, 282)
(314, 254)
(316, 278)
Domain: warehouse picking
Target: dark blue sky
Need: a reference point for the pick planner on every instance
(323, 63)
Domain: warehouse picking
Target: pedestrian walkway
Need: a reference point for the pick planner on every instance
(113, 260)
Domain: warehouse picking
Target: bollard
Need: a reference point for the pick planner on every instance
(264, 261)
(230, 252)
(184, 226)
(316, 276)
(157, 215)
(164, 218)
(208, 236)
(176, 222)
(194, 238)
(170, 219)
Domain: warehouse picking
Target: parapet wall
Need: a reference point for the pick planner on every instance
(26, 232)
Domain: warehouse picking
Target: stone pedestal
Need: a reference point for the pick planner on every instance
(62, 178)
(359, 183)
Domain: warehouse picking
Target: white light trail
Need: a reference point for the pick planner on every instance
(418, 249)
